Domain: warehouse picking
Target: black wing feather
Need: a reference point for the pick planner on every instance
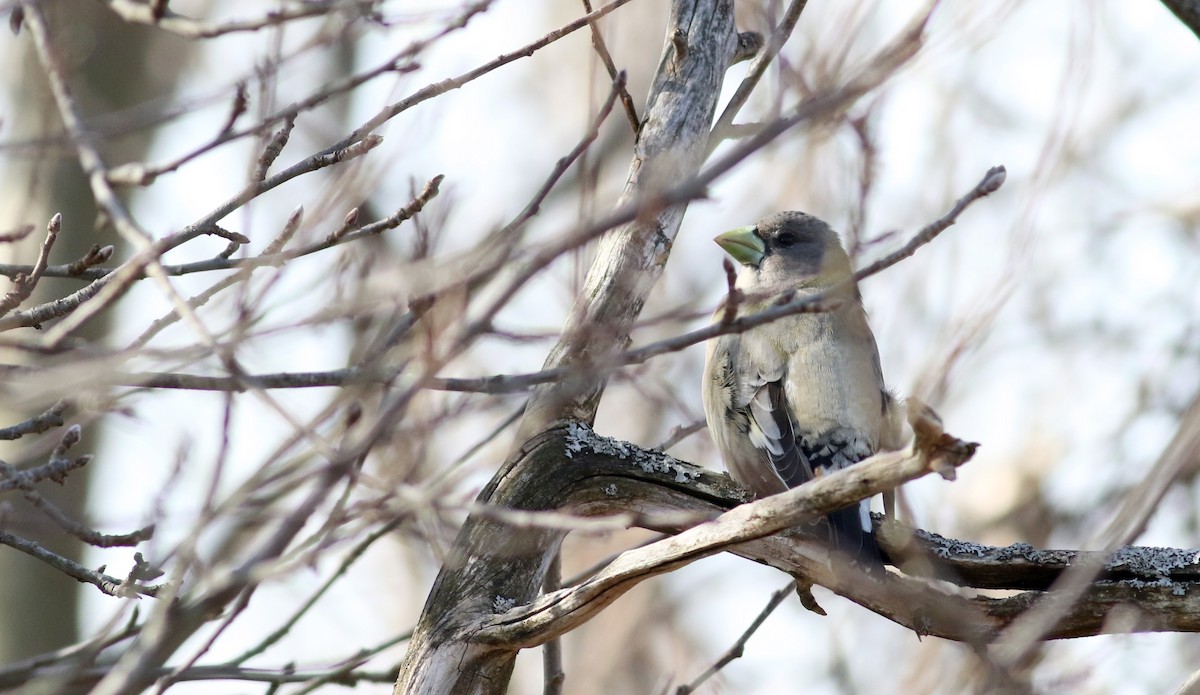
(791, 465)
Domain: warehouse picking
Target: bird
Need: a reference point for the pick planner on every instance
(804, 395)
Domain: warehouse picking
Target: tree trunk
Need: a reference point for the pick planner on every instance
(492, 566)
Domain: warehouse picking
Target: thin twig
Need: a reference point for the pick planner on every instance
(739, 647)
(681, 433)
(105, 583)
(606, 59)
(136, 12)
(400, 62)
(500, 244)
(861, 126)
(25, 284)
(992, 181)
(272, 256)
(55, 469)
(506, 383)
(17, 234)
(552, 668)
(724, 123)
(36, 425)
(283, 630)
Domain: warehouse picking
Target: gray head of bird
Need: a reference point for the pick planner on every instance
(787, 250)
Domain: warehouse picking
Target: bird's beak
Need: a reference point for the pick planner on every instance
(743, 244)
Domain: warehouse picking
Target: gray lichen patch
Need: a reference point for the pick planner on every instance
(1151, 567)
(1152, 562)
(948, 547)
(1177, 588)
(1038, 556)
(582, 439)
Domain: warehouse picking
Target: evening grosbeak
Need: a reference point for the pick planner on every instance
(804, 395)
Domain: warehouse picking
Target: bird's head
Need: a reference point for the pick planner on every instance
(788, 249)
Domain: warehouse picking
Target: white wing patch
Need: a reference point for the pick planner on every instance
(764, 433)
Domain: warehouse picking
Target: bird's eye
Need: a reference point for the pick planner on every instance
(787, 239)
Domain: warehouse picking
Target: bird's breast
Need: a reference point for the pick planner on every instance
(832, 379)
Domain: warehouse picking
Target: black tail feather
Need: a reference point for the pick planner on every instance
(847, 537)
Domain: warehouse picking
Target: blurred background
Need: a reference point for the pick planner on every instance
(1058, 323)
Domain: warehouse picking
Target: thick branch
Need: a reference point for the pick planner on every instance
(671, 146)
(481, 574)
(1149, 588)
(1187, 11)
(564, 610)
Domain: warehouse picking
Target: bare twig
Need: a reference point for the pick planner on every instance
(345, 675)
(17, 234)
(861, 125)
(237, 107)
(95, 256)
(400, 62)
(552, 667)
(109, 585)
(149, 252)
(56, 469)
(274, 148)
(36, 425)
(680, 433)
(142, 175)
(34, 317)
(444, 86)
(156, 14)
(991, 181)
(272, 256)
(79, 530)
(26, 284)
(606, 58)
(287, 625)
(739, 647)
(275, 256)
(722, 128)
(501, 243)
(515, 382)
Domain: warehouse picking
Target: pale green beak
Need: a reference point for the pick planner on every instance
(743, 244)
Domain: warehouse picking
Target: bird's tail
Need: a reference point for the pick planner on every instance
(851, 534)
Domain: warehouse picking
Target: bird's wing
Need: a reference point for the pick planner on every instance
(769, 409)
(750, 396)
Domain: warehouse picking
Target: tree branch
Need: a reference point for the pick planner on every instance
(559, 612)
(1187, 11)
(1141, 589)
(739, 646)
